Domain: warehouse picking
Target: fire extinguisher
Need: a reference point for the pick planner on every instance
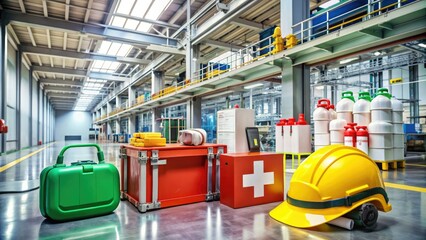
(362, 138)
(349, 136)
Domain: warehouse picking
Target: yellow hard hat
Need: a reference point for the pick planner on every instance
(330, 183)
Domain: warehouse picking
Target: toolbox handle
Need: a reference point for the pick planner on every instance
(60, 159)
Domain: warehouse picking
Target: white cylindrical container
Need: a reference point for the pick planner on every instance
(333, 114)
(397, 128)
(380, 134)
(398, 153)
(362, 138)
(397, 110)
(398, 140)
(361, 111)
(337, 130)
(321, 117)
(316, 147)
(344, 107)
(322, 139)
(381, 106)
(381, 154)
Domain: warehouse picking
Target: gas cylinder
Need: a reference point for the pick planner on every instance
(381, 106)
(350, 136)
(321, 116)
(362, 138)
(333, 114)
(301, 136)
(362, 114)
(345, 106)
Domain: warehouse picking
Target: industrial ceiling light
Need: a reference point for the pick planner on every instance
(253, 86)
(377, 53)
(348, 60)
(422, 45)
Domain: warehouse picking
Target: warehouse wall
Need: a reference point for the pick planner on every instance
(27, 116)
(72, 123)
(11, 136)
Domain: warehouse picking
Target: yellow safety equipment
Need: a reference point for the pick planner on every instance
(278, 41)
(331, 182)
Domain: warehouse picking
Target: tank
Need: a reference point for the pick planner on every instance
(321, 116)
(337, 129)
(397, 110)
(381, 141)
(344, 107)
(381, 106)
(333, 114)
(361, 110)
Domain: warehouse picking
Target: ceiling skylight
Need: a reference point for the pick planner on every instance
(329, 4)
(149, 9)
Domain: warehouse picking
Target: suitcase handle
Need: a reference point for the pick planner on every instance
(60, 159)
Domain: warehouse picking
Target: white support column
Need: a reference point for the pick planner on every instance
(132, 124)
(193, 113)
(132, 97)
(296, 99)
(109, 108)
(188, 57)
(292, 12)
(157, 81)
(295, 79)
(118, 102)
(156, 114)
(117, 126)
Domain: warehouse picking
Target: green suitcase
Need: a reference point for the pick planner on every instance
(84, 189)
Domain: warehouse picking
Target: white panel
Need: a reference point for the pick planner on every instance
(72, 123)
(34, 112)
(25, 107)
(422, 85)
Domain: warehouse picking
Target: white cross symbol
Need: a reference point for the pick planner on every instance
(258, 179)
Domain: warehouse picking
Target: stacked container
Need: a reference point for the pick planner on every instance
(300, 136)
(398, 133)
(380, 129)
(344, 107)
(350, 135)
(279, 135)
(321, 118)
(333, 114)
(381, 106)
(337, 129)
(362, 115)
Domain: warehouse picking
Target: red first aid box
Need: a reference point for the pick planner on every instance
(248, 179)
(158, 177)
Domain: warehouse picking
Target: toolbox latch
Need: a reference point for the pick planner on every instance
(123, 153)
(155, 160)
(142, 157)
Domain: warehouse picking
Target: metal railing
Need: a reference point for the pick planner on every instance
(317, 26)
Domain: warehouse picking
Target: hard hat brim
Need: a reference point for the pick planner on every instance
(306, 217)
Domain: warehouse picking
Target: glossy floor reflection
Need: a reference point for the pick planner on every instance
(20, 217)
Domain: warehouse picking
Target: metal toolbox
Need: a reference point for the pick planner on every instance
(158, 177)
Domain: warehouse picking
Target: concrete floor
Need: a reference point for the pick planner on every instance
(20, 217)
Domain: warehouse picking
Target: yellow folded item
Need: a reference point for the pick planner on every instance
(154, 142)
(138, 140)
(136, 135)
(150, 135)
(132, 140)
(138, 144)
